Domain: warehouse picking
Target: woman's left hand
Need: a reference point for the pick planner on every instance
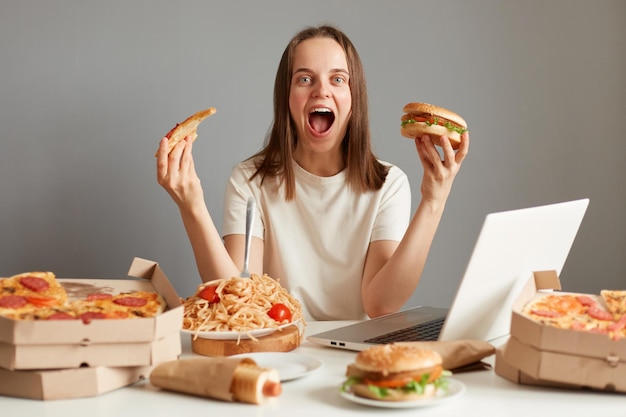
(439, 174)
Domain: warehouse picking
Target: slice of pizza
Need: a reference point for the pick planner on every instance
(39, 296)
(558, 310)
(42, 288)
(615, 301)
(47, 313)
(141, 303)
(136, 304)
(188, 127)
(13, 306)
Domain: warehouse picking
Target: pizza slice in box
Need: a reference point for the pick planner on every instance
(615, 301)
(582, 312)
(25, 292)
(133, 304)
(39, 296)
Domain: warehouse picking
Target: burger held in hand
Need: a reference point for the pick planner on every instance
(421, 119)
(396, 372)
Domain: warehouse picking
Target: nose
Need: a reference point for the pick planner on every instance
(322, 89)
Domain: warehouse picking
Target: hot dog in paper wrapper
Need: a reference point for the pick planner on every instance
(227, 379)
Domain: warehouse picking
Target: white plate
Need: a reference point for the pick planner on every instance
(455, 389)
(289, 365)
(236, 335)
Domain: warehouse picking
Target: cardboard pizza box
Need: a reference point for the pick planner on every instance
(510, 372)
(59, 384)
(550, 338)
(131, 342)
(144, 275)
(541, 354)
(537, 367)
(100, 354)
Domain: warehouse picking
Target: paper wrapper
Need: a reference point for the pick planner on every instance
(226, 379)
(459, 355)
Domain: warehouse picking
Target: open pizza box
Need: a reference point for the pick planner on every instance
(30, 344)
(544, 354)
(49, 360)
(143, 275)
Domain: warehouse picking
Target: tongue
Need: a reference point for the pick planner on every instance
(320, 123)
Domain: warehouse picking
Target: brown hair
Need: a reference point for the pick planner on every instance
(364, 171)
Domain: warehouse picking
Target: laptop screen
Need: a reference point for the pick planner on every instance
(511, 245)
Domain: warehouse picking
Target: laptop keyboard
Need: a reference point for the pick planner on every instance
(419, 332)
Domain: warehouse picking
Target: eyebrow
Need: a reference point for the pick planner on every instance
(345, 71)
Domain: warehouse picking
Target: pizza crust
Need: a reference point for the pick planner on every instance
(188, 127)
(615, 301)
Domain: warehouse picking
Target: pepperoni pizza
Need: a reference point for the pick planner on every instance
(39, 296)
(25, 292)
(124, 305)
(580, 312)
(615, 301)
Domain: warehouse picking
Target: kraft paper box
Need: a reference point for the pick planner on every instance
(101, 354)
(60, 384)
(26, 344)
(546, 354)
(576, 371)
(68, 359)
(508, 371)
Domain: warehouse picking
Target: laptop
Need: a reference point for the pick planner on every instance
(510, 246)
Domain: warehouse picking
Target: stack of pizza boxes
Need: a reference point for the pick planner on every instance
(60, 359)
(545, 355)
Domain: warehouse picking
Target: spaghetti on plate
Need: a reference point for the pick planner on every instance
(239, 305)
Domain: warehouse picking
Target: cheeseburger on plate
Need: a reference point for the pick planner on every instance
(396, 372)
(421, 119)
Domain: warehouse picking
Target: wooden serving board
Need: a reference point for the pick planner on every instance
(283, 340)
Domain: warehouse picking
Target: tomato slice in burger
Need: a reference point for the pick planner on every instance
(428, 120)
(389, 383)
(427, 377)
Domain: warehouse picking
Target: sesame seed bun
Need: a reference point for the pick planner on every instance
(448, 123)
(392, 357)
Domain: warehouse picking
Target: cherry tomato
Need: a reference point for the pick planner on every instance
(280, 313)
(209, 294)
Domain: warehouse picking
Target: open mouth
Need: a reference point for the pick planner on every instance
(321, 119)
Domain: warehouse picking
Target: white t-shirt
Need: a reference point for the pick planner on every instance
(316, 244)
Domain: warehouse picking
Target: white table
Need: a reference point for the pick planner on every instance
(317, 395)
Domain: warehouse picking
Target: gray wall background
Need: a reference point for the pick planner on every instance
(87, 89)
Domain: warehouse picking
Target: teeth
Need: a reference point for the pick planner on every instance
(321, 110)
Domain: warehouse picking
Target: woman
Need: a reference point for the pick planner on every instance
(332, 221)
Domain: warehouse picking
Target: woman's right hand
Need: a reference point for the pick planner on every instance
(176, 173)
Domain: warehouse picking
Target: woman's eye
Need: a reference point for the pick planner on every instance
(339, 80)
(305, 79)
